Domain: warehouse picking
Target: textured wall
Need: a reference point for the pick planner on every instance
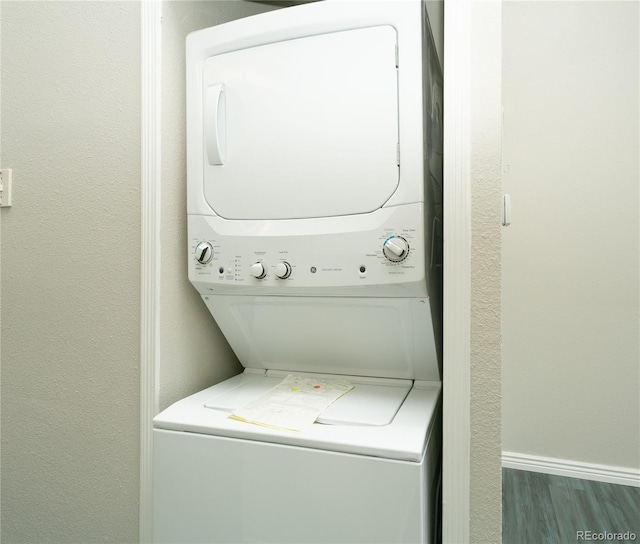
(193, 352)
(486, 192)
(571, 373)
(70, 272)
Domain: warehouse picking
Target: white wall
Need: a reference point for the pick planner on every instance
(71, 271)
(571, 357)
(193, 352)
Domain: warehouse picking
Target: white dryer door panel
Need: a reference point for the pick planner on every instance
(302, 128)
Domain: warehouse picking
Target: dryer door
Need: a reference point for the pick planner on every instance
(302, 128)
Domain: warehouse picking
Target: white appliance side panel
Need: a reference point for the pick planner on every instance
(304, 128)
(220, 490)
(384, 337)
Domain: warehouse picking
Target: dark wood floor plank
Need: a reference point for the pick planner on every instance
(605, 508)
(543, 525)
(541, 508)
(567, 512)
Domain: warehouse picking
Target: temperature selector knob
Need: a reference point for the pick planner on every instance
(396, 249)
(283, 270)
(258, 270)
(204, 252)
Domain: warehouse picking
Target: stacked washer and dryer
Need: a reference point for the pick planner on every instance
(314, 167)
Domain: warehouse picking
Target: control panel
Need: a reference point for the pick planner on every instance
(289, 257)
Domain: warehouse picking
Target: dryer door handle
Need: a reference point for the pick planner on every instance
(215, 130)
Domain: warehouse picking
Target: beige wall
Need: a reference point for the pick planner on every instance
(485, 349)
(193, 352)
(71, 272)
(571, 372)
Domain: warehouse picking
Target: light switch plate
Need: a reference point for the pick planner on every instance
(506, 210)
(6, 186)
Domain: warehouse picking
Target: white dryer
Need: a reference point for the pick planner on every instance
(314, 166)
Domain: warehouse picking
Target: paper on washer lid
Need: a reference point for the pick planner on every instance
(294, 404)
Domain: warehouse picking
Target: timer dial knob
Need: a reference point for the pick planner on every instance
(396, 249)
(258, 270)
(283, 270)
(204, 252)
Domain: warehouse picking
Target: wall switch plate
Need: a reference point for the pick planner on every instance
(506, 210)
(6, 186)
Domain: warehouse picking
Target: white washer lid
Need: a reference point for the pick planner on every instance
(405, 438)
(372, 401)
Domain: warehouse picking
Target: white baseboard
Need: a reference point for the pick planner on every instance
(572, 469)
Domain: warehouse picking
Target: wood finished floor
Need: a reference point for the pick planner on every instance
(545, 509)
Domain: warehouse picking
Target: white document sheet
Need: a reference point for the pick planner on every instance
(294, 404)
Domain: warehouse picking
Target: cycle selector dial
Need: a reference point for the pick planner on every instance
(283, 270)
(204, 252)
(258, 270)
(396, 249)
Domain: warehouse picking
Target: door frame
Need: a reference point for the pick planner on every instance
(151, 179)
(456, 458)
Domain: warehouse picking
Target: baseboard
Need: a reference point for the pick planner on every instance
(572, 469)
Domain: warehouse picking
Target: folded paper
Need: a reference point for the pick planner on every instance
(294, 404)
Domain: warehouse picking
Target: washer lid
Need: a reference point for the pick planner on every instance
(404, 438)
(372, 401)
(302, 128)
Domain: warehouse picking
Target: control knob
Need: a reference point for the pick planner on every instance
(258, 270)
(204, 252)
(396, 249)
(283, 270)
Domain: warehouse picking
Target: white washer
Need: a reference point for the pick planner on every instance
(314, 166)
